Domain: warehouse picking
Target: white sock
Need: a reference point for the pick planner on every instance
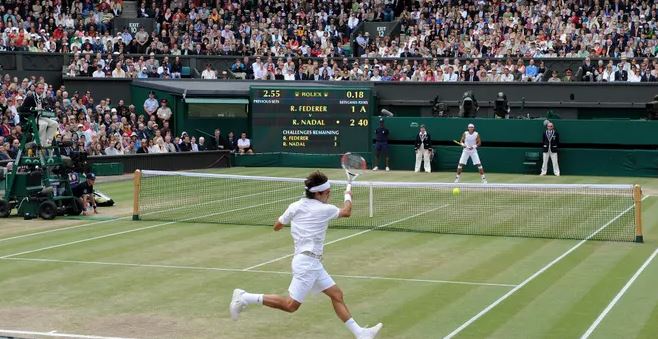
(251, 298)
(353, 326)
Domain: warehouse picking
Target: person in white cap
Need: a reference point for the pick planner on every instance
(309, 219)
(470, 141)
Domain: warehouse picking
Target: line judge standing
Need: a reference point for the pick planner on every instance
(423, 149)
(551, 143)
(381, 145)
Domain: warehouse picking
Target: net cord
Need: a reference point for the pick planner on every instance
(438, 185)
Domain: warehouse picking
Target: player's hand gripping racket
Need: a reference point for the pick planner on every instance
(458, 143)
(353, 165)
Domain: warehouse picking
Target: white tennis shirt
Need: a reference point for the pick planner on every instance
(470, 140)
(309, 219)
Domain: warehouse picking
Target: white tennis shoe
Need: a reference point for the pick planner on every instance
(375, 168)
(370, 332)
(237, 304)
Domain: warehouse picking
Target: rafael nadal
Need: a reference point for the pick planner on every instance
(309, 218)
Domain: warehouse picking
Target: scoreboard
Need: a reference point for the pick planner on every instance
(311, 119)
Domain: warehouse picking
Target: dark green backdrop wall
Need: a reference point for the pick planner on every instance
(617, 148)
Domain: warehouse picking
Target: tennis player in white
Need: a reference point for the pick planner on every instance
(309, 218)
(470, 141)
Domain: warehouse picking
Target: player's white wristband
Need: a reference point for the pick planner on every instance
(348, 197)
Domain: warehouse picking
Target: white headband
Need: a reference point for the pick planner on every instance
(471, 125)
(319, 188)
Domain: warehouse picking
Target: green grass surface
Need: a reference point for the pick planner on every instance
(161, 279)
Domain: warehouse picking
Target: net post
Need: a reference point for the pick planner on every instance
(137, 187)
(371, 201)
(637, 199)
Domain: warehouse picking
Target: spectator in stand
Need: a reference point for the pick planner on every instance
(98, 73)
(4, 155)
(176, 68)
(217, 142)
(143, 146)
(151, 104)
(118, 72)
(554, 77)
(170, 146)
(209, 73)
(202, 144)
(186, 144)
(164, 112)
(244, 144)
(231, 141)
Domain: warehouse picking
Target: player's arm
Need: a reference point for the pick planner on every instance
(461, 141)
(478, 142)
(284, 219)
(278, 225)
(346, 211)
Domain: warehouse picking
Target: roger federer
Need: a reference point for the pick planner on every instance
(309, 218)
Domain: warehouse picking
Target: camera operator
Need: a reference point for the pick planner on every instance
(35, 104)
(468, 106)
(501, 106)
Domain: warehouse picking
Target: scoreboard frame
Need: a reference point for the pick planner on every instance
(311, 120)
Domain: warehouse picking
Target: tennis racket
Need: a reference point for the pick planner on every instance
(353, 165)
(458, 143)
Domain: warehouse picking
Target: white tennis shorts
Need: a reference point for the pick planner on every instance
(308, 275)
(469, 154)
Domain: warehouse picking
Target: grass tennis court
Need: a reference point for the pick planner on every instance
(107, 276)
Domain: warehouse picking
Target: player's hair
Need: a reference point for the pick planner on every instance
(316, 178)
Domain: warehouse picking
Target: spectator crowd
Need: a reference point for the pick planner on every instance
(99, 126)
(279, 31)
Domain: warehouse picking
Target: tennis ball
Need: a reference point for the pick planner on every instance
(455, 191)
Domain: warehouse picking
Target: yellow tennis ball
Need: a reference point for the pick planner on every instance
(455, 191)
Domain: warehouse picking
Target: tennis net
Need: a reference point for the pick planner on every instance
(601, 212)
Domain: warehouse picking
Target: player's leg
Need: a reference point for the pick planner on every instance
(286, 303)
(327, 285)
(544, 164)
(476, 161)
(556, 167)
(460, 166)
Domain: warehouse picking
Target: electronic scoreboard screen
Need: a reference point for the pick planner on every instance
(311, 119)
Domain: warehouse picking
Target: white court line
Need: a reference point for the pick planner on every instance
(55, 334)
(141, 229)
(237, 270)
(347, 237)
(130, 216)
(532, 277)
(621, 293)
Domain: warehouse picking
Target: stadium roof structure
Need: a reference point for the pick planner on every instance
(194, 87)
